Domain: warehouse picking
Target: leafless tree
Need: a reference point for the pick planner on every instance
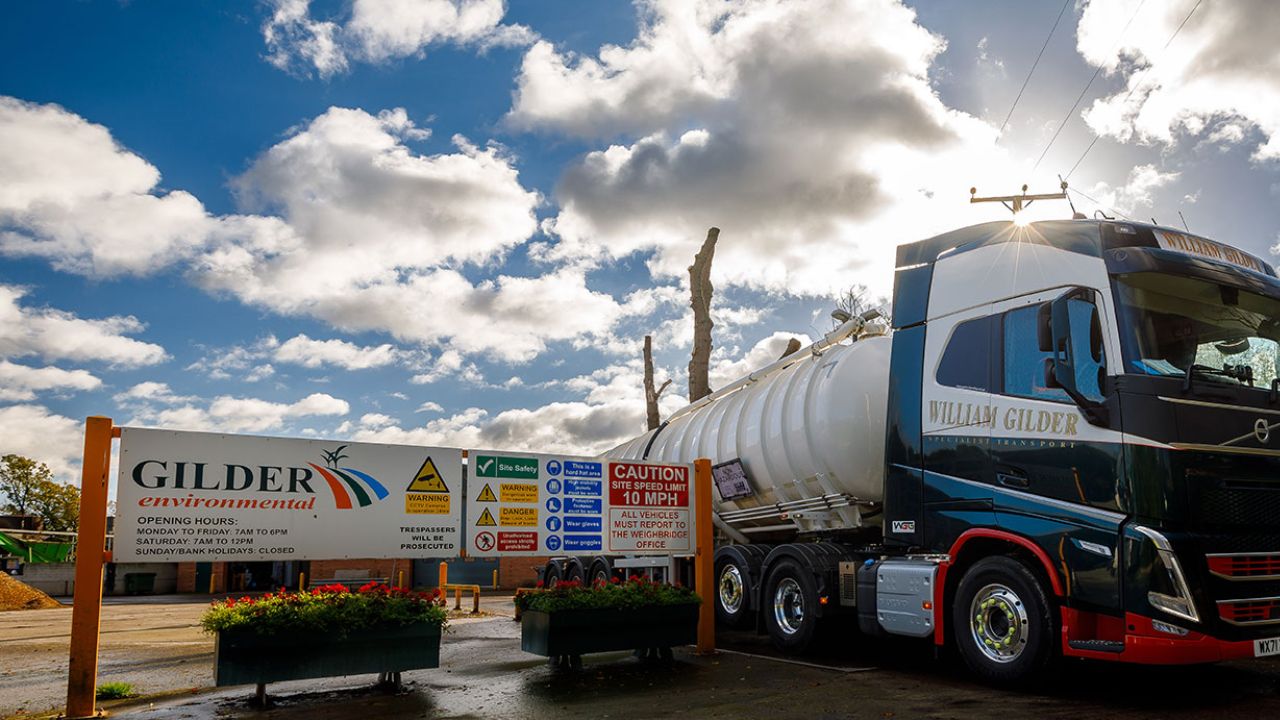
(700, 292)
(792, 345)
(651, 396)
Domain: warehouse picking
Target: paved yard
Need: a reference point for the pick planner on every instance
(158, 648)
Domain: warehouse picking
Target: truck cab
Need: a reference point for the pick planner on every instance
(1083, 436)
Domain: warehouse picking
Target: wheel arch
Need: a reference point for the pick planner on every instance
(750, 557)
(976, 544)
(821, 558)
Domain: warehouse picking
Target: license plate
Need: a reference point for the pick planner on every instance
(1269, 646)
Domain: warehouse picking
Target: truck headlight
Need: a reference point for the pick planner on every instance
(1178, 604)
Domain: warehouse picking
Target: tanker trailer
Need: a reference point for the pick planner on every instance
(1062, 449)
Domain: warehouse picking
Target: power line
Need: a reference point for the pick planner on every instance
(1034, 64)
(1099, 204)
(1076, 104)
(1138, 85)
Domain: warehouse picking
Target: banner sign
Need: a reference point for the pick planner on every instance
(534, 504)
(187, 496)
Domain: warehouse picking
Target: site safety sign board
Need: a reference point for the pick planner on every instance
(186, 496)
(533, 504)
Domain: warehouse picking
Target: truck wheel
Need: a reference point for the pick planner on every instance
(1002, 621)
(733, 587)
(576, 572)
(791, 606)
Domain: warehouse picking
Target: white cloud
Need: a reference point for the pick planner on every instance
(1220, 74)
(1139, 189)
(349, 174)
(74, 196)
(35, 432)
(151, 391)
(71, 194)
(233, 414)
(430, 406)
(725, 370)
(304, 351)
(20, 382)
(55, 334)
(807, 131)
(381, 30)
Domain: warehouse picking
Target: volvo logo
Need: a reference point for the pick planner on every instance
(1261, 430)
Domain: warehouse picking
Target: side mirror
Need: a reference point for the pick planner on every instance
(1064, 358)
(1049, 378)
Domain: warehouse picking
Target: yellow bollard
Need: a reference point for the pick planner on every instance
(457, 598)
(302, 582)
(444, 576)
(213, 578)
(495, 579)
(400, 579)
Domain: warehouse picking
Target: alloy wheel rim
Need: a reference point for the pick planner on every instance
(788, 606)
(998, 622)
(731, 589)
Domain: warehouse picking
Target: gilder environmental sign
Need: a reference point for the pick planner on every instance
(186, 496)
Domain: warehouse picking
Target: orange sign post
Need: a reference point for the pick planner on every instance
(91, 541)
(704, 573)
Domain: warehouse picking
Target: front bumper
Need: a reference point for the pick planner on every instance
(1145, 645)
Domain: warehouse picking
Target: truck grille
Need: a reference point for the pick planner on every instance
(1240, 503)
(1253, 611)
(1245, 566)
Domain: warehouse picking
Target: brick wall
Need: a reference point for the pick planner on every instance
(514, 572)
(187, 578)
(355, 568)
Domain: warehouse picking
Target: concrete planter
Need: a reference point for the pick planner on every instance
(242, 657)
(577, 632)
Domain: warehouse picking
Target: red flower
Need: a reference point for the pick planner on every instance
(540, 584)
(614, 580)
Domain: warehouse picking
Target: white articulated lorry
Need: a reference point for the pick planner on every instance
(1063, 446)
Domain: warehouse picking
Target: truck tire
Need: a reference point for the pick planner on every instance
(600, 571)
(574, 571)
(1003, 625)
(790, 603)
(552, 575)
(733, 591)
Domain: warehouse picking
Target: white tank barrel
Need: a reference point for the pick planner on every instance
(810, 436)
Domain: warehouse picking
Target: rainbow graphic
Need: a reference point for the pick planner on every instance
(340, 479)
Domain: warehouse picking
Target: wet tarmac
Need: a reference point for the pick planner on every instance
(484, 674)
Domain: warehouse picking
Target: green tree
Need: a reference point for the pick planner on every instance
(29, 489)
(21, 480)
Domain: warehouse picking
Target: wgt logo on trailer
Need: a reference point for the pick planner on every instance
(205, 496)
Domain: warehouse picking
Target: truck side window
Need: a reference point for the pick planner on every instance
(966, 362)
(1024, 361)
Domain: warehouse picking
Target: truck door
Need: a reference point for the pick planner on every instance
(1056, 477)
(957, 423)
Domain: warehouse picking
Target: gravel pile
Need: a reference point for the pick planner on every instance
(15, 595)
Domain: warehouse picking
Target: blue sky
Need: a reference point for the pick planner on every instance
(452, 221)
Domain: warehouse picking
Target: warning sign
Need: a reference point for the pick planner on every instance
(421, 503)
(517, 541)
(549, 504)
(517, 493)
(427, 479)
(518, 516)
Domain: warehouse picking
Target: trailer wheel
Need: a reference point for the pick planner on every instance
(600, 572)
(1002, 620)
(733, 588)
(575, 572)
(552, 575)
(791, 606)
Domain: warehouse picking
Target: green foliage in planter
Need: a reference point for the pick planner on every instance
(635, 592)
(329, 609)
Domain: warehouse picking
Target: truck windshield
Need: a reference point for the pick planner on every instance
(1167, 322)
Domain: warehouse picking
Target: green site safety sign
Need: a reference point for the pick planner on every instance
(496, 466)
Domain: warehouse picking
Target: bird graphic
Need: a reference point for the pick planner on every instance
(331, 457)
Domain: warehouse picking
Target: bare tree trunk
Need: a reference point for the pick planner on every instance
(651, 395)
(700, 292)
(792, 346)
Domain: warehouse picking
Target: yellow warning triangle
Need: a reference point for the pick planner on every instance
(427, 479)
(486, 495)
(486, 518)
